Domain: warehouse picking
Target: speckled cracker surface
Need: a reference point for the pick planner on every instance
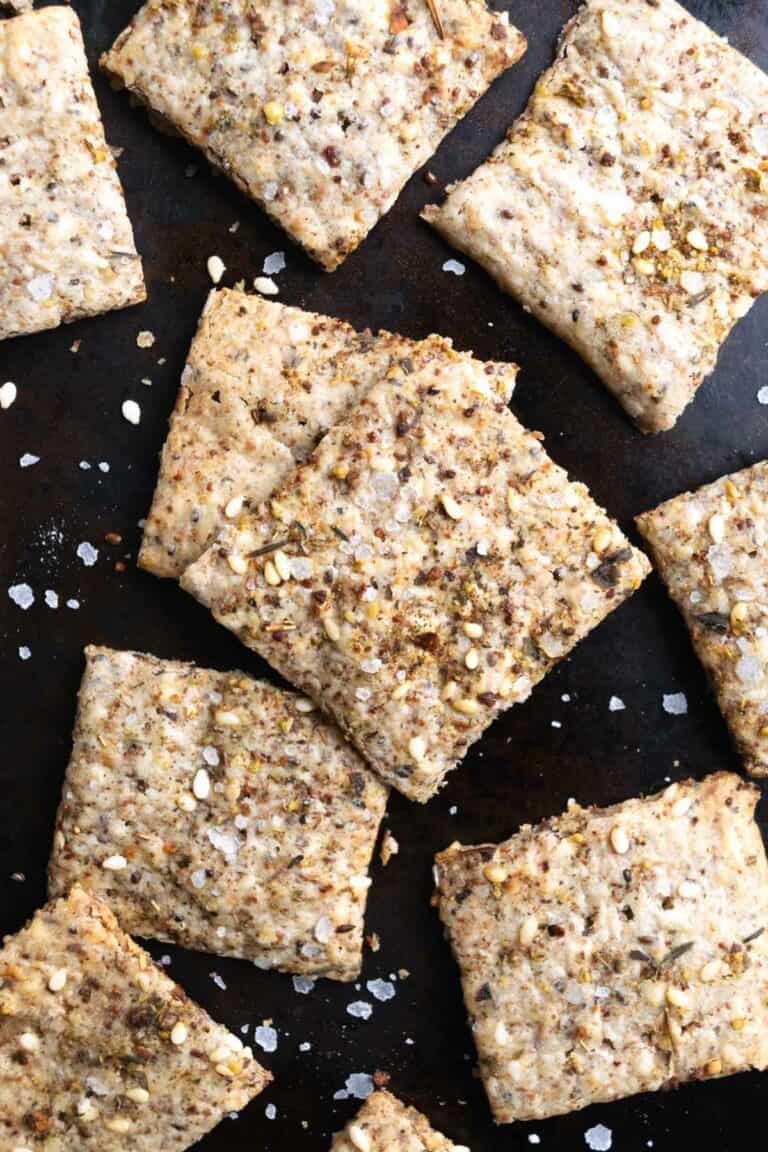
(627, 208)
(66, 243)
(711, 548)
(614, 951)
(214, 811)
(262, 384)
(384, 1124)
(421, 571)
(16, 5)
(99, 1049)
(320, 111)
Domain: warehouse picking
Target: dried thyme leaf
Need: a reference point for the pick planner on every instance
(637, 954)
(273, 547)
(753, 936)
(436, 18)
(674, 954)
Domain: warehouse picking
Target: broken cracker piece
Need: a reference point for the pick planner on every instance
(262, 384)
(218, 812)
(100, 1050)
(384, 1124)
(614, 951)
(711, 549)
(66, 243)
(628, 206)
(434, 565)
(319, 112)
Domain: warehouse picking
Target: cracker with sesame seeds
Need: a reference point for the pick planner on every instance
(628, 206)
(218, 812)
(613, 951)
(384, 1124)
(100, 1050)
(317, 111)
(66, 243)
(711, 550)
(262, 384)
(421, 571)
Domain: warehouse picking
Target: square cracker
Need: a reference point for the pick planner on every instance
(627, 208)
(262, 384)
(319, 112)
(711, 549)
(100, 1050)
(613, 951)
(215, 811)
(66, 243)
(384, 1124)
(431, 565)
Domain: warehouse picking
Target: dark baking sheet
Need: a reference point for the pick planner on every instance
(532, 760)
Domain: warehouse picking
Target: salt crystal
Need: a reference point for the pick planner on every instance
(266, 1038)
(616, 704)
(381, 989)
(303, 985)
(360, 1009)
(454, 266)
(218, 981)
(273, 264)
(87, 553)
(22, 596)
(270, 1111)
(40, 287)
(24, 652)
(27, 460)
(599, 1138)
(675, 703)
(762, 396)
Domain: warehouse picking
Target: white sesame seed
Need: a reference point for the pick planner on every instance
(619, 840)
(466, 706)
(201, 785)
(227, 719)
(681, 806)
(234, 507)
(417, 748)
(360, 1138)
(138, 1095)
(472, 629)
(216, 268)
(332, 630)
(304, 705)
(697, 239)
(29, 1041)
(271, 574)
(452, 507)
(8, 394)
(119, 1124)
(472, 659)
(178, 1033)
(528, 930)
(282, 564)
(677, 997)
(265, 285)
(711, 971)
(642, 240)
(237, 563)
(114, 863)
(131, 412)
(360, 883)
(57, 980)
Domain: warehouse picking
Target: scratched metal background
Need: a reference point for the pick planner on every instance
(68, 410)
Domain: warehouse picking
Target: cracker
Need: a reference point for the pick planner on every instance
(627, 207)
(99, 1049)
(66, 243)
(215, 811)
(433, 564)
(711, 549)
(384, 1124)
(320, 113)
(16, 5)
(614, 951)
(262, 384)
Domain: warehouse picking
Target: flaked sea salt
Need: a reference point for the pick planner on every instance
(616, 704)
(381, 989)
(303, 985)
(266, 1038)
(218, 981)
(87, 553)
(675, 703)
(273, 264)
(22, 596)
(24, 652)
(454, 266)
(599, 1138)
(360, 1009)
(27, 460)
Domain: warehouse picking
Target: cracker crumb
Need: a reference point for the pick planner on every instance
(145, 339)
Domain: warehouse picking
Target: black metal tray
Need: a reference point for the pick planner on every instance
(533, 759)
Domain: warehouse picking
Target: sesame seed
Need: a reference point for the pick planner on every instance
(57, 980)
(304, 705)
(697, 239)
(138, 1095)
(451, 507)
(282, 564)
(710, 971)
(677, 997)
(271, 574)
(119, 1124)
(359, 1138)
(642, 240)
(417, 748)
(472, 659)
(472, 629)
(114, 863)
(178, 1033)
(234, 507)
(619, 840)
(201, 785)
(494, 873)
(216, 268)
(29, 1041)
(528, 930)
(681, 806)
(227, 719)
(131, 412)
(332, 630)
(237, 563)
(466, 705)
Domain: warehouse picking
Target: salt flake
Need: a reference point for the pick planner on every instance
(274, 263)
(675, 703)
(360, 1009)
(27, 460)
(87, 553)
(616, 704)
(454, 266)
(266, 1038)
(599, 1138)
(22, 596)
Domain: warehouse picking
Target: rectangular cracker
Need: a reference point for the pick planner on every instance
(219, 813)
(100, 1050)
(710, 549)
(627, 207)
(384, 1124)
(613, 951)
(66, 243)
(433, 565)
(262, 384)
(319, 112)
